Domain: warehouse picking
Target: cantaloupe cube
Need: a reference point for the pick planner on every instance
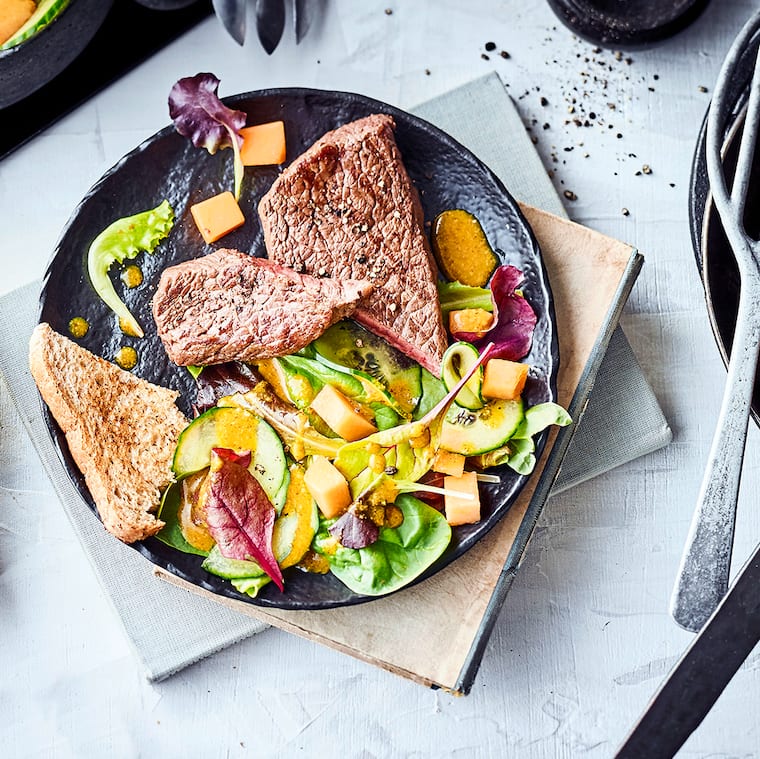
(328, 487)
(341, 415)
(504, 379)
(446, 462)
(476, 320)
(263, 144)
(463, 509)
(217, 215)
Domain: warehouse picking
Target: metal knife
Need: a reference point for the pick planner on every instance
(704, 670)
(270, 22)
(232, 15)
(304, 14)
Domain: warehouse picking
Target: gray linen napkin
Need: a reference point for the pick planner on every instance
(170, 628)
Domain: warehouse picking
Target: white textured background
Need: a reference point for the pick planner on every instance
(585, 637)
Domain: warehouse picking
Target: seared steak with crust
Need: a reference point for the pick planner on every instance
(229, 306)
(346, 208)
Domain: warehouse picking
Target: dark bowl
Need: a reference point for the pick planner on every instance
(626, 24)
(31, 64)
(712, 251)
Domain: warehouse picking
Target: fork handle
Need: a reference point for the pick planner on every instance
(706, 561)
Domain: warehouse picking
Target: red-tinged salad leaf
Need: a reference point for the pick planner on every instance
(239, 515)
(200, 115)
(243, 459)
(220, 380)
(354, 531)
(514, 318)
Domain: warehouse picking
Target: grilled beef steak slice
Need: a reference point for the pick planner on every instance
(348, 209)
(229, 306)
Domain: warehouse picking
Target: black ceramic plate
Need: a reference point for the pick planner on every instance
(716, 262)
(168, 166)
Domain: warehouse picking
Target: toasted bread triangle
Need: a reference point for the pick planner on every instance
(121, 430)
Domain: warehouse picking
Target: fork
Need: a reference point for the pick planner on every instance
(706, 562)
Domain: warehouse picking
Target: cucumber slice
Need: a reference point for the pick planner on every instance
(349, 345)
(237, 429)
(46, 11)
(479, 431)
(457, 361)
(230, 569)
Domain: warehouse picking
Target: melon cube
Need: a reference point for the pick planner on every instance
(328, 487)
(476, 320)
(464, 508)
(504, 379)
(217, 215)
(341, 415)
(263, 144)
(447, 462)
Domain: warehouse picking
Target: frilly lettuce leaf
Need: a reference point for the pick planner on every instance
(514, 322)
(200, 115)
(121, 240)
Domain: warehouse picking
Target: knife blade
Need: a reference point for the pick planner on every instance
(304, 14)
(270, 22)
(702, 673)
(232, 15)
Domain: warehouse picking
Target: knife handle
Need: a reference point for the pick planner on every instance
(706, 562)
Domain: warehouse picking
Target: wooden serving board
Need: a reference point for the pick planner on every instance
(435, 632)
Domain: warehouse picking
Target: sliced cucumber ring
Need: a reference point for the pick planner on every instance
(472, 432)
(457, 361)
(237, 429)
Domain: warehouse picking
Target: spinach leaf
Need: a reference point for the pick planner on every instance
(397, 557)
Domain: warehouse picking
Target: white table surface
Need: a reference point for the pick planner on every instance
(585, 637)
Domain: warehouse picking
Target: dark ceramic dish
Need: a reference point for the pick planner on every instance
(168, 166)
(716, 262)
(627, 24)
(31, 64)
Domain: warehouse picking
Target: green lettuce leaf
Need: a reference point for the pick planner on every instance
(168, 512)
(397, 557)
(454, 296)
(124, 239)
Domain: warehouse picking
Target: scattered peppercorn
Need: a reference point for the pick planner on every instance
(646, 168)
(504, 54)
(544, 101)
(702, 88)
(626, 212)
(490, 46)
(570, 195)
(485, 57)
(389, 11)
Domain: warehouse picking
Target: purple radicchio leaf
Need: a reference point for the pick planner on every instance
(354, 531)
(200, 115)
(219, 380)
(514, 318)
(239, 515)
